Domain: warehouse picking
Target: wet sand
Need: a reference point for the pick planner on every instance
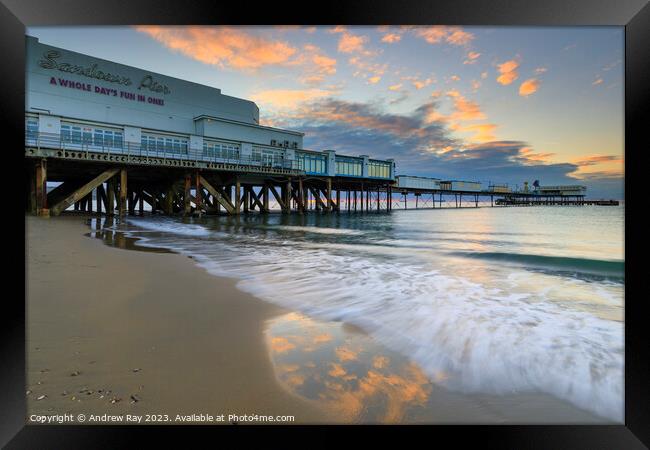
(143, 332)
(121, 332)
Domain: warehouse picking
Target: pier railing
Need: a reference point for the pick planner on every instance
(42, 144)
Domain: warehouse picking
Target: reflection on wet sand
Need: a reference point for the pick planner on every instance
(344, 372)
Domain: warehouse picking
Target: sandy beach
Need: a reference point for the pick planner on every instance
(113, 331)
(121, 332)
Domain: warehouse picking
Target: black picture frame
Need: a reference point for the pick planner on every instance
(634, 15)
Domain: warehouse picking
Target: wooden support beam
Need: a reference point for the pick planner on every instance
(318, 202)
(287, 196)
(219, 195)
(187, 210)
(338, 198)
(110, 187)
(123, 191)
(237, 203)
(41, 187)
(197, 187)
(328, 194)
(246, 200)
(255, 200)
(265, 198)
(98, 194)
(277, 196)
(301, 194)
(83, 191)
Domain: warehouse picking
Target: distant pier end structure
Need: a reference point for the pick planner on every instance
(116, 137)
(427, 192)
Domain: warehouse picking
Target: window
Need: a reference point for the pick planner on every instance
(312, 163)
(220, 150)
(66, 135)
(377, 169)
(350, 167)
(31, 129)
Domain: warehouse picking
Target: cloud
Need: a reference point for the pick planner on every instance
(475, 85)
(540, 70)
(425, 142)
(317, 66)
(281, 345)
(439, 33)
(472, 57)
(508, 71)
(599, 166)
(419, 84)
(222, 46)
(395, 87)
(374, 80)
(346, 354)
(484, 75)
(366, 69)
(598, 81)
(529, 87)
(454, 78)
(391, 38)
(465, 109)
(482, 132)
(349, 43)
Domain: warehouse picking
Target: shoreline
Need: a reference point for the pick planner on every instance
(111, 332)
(250, 374)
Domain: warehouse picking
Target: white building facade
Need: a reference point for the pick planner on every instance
(76, 101)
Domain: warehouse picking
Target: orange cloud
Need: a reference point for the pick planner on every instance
(321, 338)
(221, 46)
(419, 84)
(598, 81)
(454, 78)
(317, 65)
(391, 38)
(483, 132)
(395, 87)
(508, 71)
(379, 362)
(465, 109)
(599, 166)
(472, 57)
(281, 345)
(346, 354)
(439, 33)
(529, 87)
(374, 80)
(529, 157)
(337, 370)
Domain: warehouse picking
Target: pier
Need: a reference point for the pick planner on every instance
(102, 180)
(188, 149)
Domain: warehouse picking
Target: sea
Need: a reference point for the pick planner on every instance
(485, 300)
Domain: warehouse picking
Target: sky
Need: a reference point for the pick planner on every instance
(492, 104)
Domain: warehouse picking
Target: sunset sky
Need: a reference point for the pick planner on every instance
(501, 104)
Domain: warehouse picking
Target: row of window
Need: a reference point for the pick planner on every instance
(114, 139)
(312, 163)
(164, 144)
(268, 156)
(349, 167)
(220, 150)
(90, 136)
(378, 169)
